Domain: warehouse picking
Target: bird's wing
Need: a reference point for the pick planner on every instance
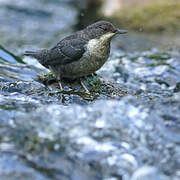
(66, 51)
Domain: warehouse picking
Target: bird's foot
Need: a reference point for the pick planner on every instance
(93, 74)
(60, 86)
(84, 87)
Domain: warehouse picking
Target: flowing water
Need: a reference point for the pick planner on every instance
(50, 136)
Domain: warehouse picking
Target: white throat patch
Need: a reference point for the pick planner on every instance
(100, 47)
(106, 37)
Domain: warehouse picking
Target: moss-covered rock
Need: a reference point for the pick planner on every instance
(157, 16)
(97, 85)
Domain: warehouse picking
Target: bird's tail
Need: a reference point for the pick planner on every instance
(30, 53)
(41, 55)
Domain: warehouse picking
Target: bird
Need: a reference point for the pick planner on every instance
(79, 54)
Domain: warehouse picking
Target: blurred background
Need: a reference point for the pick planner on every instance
(41, 23)
(128, 129)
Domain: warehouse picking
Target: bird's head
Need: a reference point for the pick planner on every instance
(104, 30)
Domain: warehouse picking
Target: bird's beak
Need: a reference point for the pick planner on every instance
(121, 31)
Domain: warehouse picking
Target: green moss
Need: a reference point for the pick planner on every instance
(157, 16)
(46, 79)
(95, 83)
(18, 59)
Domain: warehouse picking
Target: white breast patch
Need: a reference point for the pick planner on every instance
(99, 46)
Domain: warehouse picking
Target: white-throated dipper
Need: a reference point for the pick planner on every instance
(79, 54)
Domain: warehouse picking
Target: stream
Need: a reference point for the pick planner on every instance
(47, 135)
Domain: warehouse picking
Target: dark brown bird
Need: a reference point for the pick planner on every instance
(79, 54)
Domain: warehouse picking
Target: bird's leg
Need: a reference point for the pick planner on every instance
(93, 74)
(59, 83)
(84, 87)
(58, 77)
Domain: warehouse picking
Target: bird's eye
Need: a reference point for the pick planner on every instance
(104, 28)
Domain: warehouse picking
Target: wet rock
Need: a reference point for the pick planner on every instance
(96, 84)
(149, 74)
